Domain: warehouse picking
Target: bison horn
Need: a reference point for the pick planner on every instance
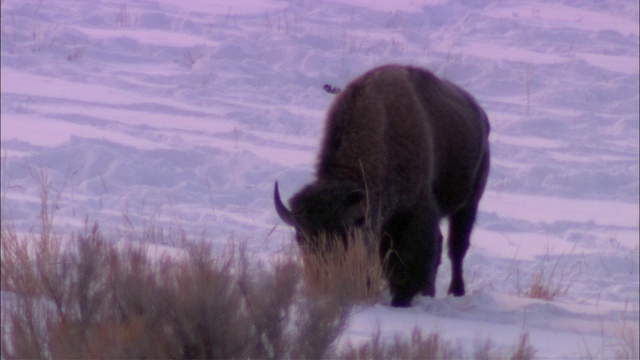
(284, 213)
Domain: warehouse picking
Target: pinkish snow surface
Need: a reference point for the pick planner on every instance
(185, 113)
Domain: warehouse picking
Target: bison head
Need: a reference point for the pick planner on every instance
(323, 208)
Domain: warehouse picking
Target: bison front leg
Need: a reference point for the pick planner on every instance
(411, 249)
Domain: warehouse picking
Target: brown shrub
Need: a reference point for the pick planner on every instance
(84, 298)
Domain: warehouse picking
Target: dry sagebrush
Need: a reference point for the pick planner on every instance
(84, 298)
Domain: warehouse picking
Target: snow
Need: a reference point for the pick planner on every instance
(187, 112)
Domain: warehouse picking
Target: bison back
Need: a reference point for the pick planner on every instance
(402, 133)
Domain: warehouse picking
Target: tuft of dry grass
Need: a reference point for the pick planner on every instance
(352, 268)
(433, 346)
(521, 350)
(620, 339)
(554, 283)
(544, 288)
(628, 339)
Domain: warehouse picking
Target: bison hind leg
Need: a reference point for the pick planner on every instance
(460, 226)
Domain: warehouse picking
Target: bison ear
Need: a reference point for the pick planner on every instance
(354, 198)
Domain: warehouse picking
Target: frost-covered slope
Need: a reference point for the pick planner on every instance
(184, 113)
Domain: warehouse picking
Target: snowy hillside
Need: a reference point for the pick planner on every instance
(183, 114)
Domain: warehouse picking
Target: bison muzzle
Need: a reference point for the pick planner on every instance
(402, 149)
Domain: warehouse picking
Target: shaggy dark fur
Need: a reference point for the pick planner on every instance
(402, 149)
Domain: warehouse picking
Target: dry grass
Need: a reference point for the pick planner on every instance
(620, 339)
(628, 339)
(355, 270)
(433, 346)
(521, 350)
(84, 298)
(554, 283)
(544, 287)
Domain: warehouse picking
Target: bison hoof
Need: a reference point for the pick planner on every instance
(456, 291)
(401, 303)
(429, 291)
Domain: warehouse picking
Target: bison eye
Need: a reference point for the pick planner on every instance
(359, 221)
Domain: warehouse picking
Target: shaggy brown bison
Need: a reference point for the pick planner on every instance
(402, 149)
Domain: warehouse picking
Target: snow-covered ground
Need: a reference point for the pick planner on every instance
(185, 113)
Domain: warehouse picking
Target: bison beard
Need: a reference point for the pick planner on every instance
(402, 149)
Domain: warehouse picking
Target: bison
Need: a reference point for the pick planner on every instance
(402, 149)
